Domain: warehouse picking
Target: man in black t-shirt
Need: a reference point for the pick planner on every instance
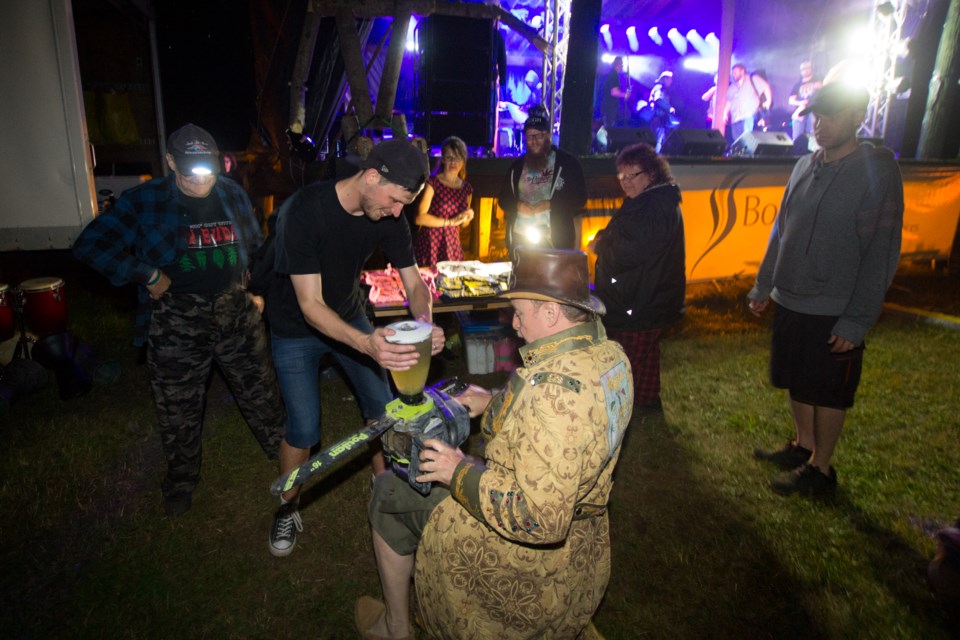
(616, 93)
(326, 232)
(185, 240)
(800, 96)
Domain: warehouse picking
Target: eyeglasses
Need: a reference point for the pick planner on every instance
(535, 137)
(449, 159)
(627, 176)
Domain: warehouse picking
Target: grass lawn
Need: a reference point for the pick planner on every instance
(701, 547)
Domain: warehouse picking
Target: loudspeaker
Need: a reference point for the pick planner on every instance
(694, 142)
(765, 144)
(803, 145)
(620, 137)
(455, 80)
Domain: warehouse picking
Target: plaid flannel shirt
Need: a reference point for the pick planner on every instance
(141, 233)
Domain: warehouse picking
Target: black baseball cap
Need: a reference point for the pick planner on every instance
(537, 118)
(399, 161)
(836, 97)
(194, 151)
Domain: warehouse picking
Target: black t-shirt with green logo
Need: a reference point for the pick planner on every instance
(209, 263)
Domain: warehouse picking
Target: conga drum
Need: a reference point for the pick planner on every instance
(7, 328)
(44, 305)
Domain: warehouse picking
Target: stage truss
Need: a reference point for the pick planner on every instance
(886, 29)
(556, 21)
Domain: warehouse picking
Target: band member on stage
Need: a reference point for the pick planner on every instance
(664, 115)
(616, 94)
(747, 95)
(800, 96)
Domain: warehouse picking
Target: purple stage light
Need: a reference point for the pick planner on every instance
(678, 41)
(654, 34)
(632, 38)
(699, 43)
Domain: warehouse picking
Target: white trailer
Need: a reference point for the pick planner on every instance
(46, 166)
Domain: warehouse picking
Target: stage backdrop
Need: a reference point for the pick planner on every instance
(729, 207)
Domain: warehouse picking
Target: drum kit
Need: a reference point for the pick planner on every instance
(37, 310)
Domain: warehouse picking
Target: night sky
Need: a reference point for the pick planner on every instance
(206, 68)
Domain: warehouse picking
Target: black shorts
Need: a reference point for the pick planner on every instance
(801, 362)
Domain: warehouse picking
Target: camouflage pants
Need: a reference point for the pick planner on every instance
(188, 332)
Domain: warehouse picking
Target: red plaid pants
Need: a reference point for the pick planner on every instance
(643, 351)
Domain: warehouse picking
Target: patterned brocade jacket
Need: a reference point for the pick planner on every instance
(521, 547)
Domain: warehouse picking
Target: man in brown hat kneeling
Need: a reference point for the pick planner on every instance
(519, 546)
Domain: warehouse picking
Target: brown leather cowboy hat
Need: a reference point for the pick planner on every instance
(554, 275)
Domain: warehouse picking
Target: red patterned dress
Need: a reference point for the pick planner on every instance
(435, 244)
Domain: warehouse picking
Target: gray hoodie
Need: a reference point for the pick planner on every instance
(835, 245)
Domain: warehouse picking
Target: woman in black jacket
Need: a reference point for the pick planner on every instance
(640, 274)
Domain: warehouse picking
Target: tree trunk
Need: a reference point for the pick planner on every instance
(939, 133)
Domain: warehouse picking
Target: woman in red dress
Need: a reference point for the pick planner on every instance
(444, 207)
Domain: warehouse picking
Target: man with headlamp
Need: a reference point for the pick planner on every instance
(185, 240)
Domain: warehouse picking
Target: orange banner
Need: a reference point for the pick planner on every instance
(729, 210)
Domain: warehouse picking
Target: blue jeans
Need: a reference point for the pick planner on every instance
(741, 127)
(297, 361)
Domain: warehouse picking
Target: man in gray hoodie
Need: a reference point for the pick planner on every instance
(832, 254)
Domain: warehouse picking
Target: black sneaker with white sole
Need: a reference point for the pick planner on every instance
(286, 524)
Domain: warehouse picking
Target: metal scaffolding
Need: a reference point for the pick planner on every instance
(887, 46)
(556, 20)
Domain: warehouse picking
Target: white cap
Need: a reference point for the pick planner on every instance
(409, 332)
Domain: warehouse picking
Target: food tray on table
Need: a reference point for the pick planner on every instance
(472, 279)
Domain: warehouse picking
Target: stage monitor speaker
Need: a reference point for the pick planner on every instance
(694, 142)
(620, 137)
(803, 145)
(762, 144)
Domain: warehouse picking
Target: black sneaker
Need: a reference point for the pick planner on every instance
(806, 480)
(789, 457)
(177, 504)
(286, 524)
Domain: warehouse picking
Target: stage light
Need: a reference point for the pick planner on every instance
(699, 43)
(701, 64)
(678, 41)
(712, 39)
(859, 40)
(607, 58)
(607, 38)
(632, 38)
(411, 35)
(654, 34)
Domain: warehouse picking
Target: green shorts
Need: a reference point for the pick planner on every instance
(398, 513)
